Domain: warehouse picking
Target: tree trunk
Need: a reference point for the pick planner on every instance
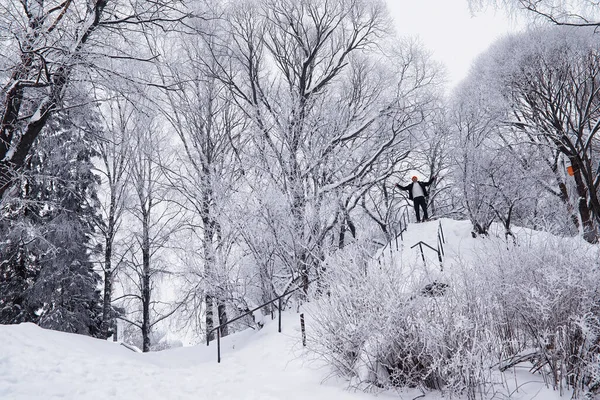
(589, 228)
(208, 299)
(146, 284)
(564, 196)
(107, 316)
(209, 271)
(209, 226)
(592, 184)
(222, 310)
(302, 256)
(342, 237)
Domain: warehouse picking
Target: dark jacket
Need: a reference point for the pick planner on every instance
(410, 187)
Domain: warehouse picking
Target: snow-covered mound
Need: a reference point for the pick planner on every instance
(458, 246)
(41, 364)
(402, 320)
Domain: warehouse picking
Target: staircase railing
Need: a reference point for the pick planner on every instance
(403, 224)
(441, 240)
(279, 301)
(398, 233)
(421, 244)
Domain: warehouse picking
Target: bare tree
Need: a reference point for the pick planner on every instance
(472, 127)
(539, 91)
(204, 116)
(119, 121)
(157, 220)
(51, 42)
(556, 97)
(578, 13)
(327, 114)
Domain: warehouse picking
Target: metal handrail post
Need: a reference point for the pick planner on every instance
(279, 305)
(219, 345)
(303, 329)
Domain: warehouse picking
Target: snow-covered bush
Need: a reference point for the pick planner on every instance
(549, 296)
(535, 303)
(379, 327)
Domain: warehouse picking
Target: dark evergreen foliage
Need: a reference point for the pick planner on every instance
(46, 273)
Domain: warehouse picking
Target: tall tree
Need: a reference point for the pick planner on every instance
(48, 43)
(328, 115)
(113, 147)
(556, 93)
(49, 240)
(203, 114)
(155, 221)
(543, 87)
(472, 125)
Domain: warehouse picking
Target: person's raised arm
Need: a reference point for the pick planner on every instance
(430, 181)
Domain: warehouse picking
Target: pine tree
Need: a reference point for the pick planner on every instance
(46, 273)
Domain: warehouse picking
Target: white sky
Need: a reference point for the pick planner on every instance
(449, 31)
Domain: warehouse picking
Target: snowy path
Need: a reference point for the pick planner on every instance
(41, 364)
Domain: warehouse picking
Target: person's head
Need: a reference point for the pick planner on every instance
(414, 179)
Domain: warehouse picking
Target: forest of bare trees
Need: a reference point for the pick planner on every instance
(169, 165)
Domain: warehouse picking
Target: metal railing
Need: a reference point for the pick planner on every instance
(421, 244)
(441, 240)
(398, 233)
(279, 301)
(403, 223)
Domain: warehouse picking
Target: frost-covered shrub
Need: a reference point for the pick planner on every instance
(377, 327)
(549, 296)
(537, 302)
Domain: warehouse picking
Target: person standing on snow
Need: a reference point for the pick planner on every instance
(417, 192)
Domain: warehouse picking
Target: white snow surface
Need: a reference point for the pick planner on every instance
(40, 364)
(458, 246)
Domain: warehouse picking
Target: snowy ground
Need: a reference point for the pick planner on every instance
(264, 365)
(458, 247)
(42, 364)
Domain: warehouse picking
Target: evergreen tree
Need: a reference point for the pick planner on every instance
(46, 275)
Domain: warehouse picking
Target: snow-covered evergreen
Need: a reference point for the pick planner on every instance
(47, 271)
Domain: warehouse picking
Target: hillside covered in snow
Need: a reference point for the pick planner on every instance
(263, 364)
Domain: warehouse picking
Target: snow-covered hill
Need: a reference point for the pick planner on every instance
(459, 247)
(41, 364)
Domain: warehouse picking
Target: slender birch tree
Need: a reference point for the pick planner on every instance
(156, 221)
(202, 113)
(118, 119)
